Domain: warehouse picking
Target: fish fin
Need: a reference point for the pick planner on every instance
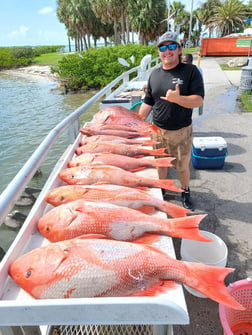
(209, 280)
(92, 236)
(143, 188)
(147, 239)
(147, 209)
(144, 133)
(169, 185)
(187, 227)
(141, 117)
(155, 128)
(166, 162)
(160, 287)
(174, 211)
(149, 142)
(159, 152)
(137, 169)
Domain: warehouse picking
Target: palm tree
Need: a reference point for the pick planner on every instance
(228, 17)
(147, 18)
(207, 12)
(111, 11)
(180, 16)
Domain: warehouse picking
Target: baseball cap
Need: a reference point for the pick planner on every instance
(169, 36)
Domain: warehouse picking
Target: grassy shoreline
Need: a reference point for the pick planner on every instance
(43, 63)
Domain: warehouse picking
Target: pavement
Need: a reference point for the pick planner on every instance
(224, 194)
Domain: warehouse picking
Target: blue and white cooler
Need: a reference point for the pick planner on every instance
(209, 152)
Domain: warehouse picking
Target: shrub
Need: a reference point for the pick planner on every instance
(95, 68)
(22, 52)
(14, 57)
(41, 50)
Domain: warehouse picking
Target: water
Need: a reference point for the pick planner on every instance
(30, 107)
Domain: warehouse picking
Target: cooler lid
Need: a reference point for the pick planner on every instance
(213, 142)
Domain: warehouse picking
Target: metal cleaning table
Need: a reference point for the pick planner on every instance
(17, 308)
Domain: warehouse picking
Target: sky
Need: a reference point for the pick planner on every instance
(34, 22)
(30, 23)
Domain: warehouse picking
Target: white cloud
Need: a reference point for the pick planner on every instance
(21, 31)
(46, 10)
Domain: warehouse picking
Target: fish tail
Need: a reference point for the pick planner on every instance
(159, 152)
(173, 210)
(137, 169)
(85, 131)
(209, 280)
(149, 142)
(155, 128)
(168, 185)
(163, 162)
(144, 133)
(187, 227)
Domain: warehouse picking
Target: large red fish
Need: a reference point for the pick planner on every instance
(81, 268)
(120, 115)
(115, 194)
(81, 217)
(124, 162)
(119, 149)
(103, 114)
(108, 174)
(116, 139)
(91, 129)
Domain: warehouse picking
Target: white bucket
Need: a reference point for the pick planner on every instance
(210, 253)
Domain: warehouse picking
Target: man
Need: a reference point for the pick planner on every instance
(173, 90)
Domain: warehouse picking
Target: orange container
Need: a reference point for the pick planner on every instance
(226, 46)
(236, 322)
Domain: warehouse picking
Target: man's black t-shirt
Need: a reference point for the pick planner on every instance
(169, 115)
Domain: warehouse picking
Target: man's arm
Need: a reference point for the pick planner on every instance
(144, 110)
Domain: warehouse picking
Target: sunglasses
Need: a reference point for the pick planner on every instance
(171, 47)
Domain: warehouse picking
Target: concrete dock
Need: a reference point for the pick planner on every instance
(224, 194)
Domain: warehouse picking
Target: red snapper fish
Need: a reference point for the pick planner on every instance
(124, 162)
(91, 129)
(119, 149)
(103, 114)
(115, 194)
(108, 174)
(84, 268)
(116, 139)
(82, 217)
(119, 115)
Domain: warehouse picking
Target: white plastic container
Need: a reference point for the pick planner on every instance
(210, 253)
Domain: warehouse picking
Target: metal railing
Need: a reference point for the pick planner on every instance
(15, 188)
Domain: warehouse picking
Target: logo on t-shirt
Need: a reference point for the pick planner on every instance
(177, 81)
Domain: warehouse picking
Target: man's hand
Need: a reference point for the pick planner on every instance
(189, 101)
(172, 95)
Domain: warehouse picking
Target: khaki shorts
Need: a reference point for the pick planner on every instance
(178, 143)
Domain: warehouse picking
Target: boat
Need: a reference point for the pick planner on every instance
(158, 314)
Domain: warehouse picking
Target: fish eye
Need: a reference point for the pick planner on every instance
(28, 274)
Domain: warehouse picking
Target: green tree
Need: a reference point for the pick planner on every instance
(147, 18)
(207, 12)
(111, 11)
(180, 16)
(228, 17)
